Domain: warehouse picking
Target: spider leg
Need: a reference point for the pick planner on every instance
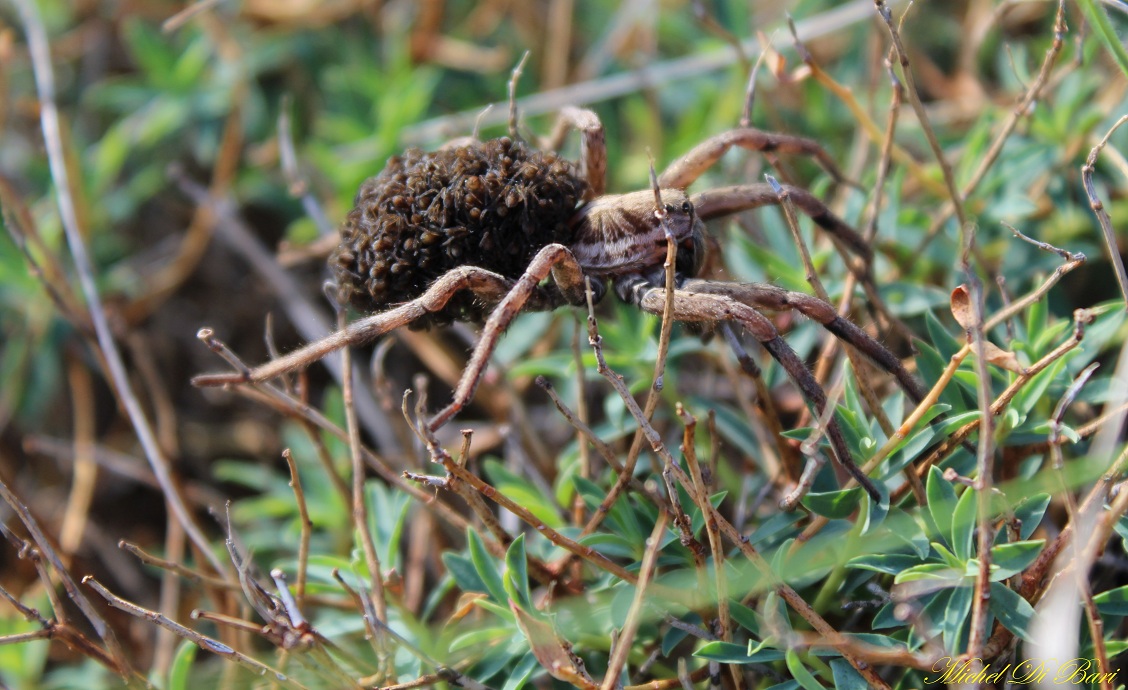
(724, 201)
(593, 145)
(695, 306)
(488, 286)
(685, 170)
(554, 259)
(778, 299)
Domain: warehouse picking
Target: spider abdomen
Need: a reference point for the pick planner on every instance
(490, 204)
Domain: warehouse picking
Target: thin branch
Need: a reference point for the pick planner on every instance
(630, 627)
(1102, 215)
(104, 631)
(985, 465)
(52, 135)
(922, 116)
(304, 520)
(734, 535)
(1023, 109)
(360, 505)
(204, 642)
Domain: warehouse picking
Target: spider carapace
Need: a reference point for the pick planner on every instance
(473, 230)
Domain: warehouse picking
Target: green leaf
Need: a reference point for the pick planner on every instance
(729, 653)
(963, 524)
(773, 526)
(800, 673)
(932, 367)
(945, 343)
(957, 564)
(930, 571)
(1035, 390)
(485, 567)
(1029, 513)
(1010, 559)
(745, 617)
(953, 624)
(876, 511)
(941, 500)
(1014, 612)
(909, 531)
(1102, 27)
(517, 574)
(835, 505)
(520, 674)
(523, 492)
(181, 666)
(891, 564)
(387, 516)
(1114, 602)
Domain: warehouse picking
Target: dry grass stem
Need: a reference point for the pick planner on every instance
(306, 524)
(204, 642)
(786, 592)
(604, 88)
(618, 658)
(985, 456)
(360, 511)
(1099, 211)
(49, 118)
(1023, 109)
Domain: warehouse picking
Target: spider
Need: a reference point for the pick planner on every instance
(475, 230)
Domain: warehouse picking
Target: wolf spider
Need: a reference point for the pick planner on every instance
(474, 228)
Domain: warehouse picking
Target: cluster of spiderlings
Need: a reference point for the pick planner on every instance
(490, 204)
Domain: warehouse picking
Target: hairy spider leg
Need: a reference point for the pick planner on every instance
(685, 170)
(554, 259)
(705, 307)
(486, 285)
(711, 204)
(778, 299)
(593, 146)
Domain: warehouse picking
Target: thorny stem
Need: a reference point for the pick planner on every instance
(287, 404)
(298, 186)
(513, 79)
(862, 117)
(1081, 317)
(809, 448)
(580, 417)
(176, 568)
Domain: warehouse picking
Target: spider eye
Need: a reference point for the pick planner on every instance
(687, 207)
(670, 208)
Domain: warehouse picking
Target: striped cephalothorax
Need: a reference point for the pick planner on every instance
(482, 230)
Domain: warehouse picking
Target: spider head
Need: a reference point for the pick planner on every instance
(687, 229)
